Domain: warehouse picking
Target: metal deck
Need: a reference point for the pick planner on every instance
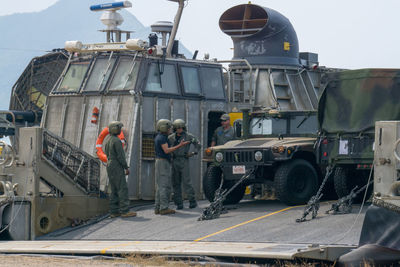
(250, 221)
(256, 229)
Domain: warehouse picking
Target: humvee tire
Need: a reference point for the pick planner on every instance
(296, 182)
(211, 182)
(345, 179)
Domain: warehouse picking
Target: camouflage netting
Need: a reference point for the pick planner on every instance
(353, 100)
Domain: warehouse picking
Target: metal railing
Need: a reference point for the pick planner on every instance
(80, 167)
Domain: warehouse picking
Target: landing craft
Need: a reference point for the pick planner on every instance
(51, 175)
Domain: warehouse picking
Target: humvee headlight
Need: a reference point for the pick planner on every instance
(258, 156)
(219, 157)
(208, 152)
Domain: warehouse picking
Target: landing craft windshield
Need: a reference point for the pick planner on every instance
(74, 77)
(121, 73)
(116, 73)
(164, 83)
(100, 74)
(126, 75)
(212, 83)
(191, 81)
(293, 125)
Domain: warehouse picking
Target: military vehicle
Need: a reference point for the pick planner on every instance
(276, 77)
(279, 147)
(348, 108)
(56, 166)
(379, 241)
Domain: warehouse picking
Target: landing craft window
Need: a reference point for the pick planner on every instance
(164, 83)
(73, 78)
(212, 83)
(126, 74)
(100, 74)
(191, 81)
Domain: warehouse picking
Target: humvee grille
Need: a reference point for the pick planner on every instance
(239, 156)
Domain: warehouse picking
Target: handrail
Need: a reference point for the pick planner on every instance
(250, 76)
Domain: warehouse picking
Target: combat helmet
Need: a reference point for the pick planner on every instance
(179, 123)
(115, 127)
(163, 125)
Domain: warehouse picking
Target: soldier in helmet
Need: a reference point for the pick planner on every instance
(163, 166)
(117, 168)
(180, 164)
(224, 133)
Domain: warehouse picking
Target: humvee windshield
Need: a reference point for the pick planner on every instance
(299, 124)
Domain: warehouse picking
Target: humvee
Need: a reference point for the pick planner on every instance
(348, 108)
(279, 146)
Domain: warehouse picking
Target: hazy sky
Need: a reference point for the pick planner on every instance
(345, 33)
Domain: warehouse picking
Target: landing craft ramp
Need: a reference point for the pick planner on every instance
(262, 229)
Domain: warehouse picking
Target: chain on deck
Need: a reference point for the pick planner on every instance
(79, 166)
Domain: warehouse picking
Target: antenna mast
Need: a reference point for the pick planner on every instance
(112, 19)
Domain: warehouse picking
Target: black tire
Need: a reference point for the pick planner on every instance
(212, 180)
(345, 179)
(236, 195)
(296, 182)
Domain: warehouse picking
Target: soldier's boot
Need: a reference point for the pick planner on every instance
(166, 211)
(178, 201)
(128, 214)
(192, 204)
(156, 211)
(114, 215)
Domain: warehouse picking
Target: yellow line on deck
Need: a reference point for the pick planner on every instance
(243, 223)
(103, 251)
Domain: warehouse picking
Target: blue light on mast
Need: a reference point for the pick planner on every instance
(108, 6)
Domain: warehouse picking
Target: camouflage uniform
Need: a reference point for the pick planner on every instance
(222, 136)
(162, 173)
(116, 166)
(180, 168)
